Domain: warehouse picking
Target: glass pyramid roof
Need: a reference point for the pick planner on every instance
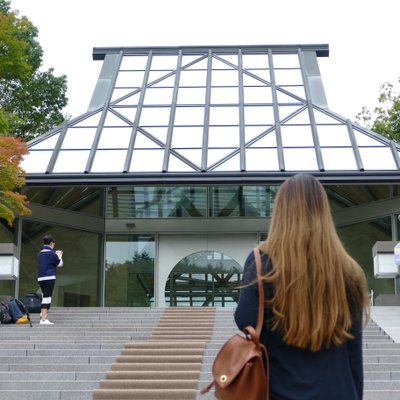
(206, 112)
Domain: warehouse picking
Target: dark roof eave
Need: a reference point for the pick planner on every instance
(211, 178)
(322, 50)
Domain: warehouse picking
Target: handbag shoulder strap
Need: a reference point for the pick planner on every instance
(261, 299)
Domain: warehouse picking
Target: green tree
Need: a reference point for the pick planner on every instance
(385, 119)
(31, 101)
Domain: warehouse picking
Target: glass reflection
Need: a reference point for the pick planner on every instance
(156, 202)
(77, 281)
(80, 199)
(206, 278)
(242, 201)
(129, 273)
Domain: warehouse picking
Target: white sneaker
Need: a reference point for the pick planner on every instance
(45, 322)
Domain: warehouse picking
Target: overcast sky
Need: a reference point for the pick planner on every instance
(363, 37)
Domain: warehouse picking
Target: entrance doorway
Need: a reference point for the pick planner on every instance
(200, 270)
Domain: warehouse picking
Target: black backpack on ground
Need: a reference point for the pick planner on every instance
(19, 312)
(33, 302)
(5, 316)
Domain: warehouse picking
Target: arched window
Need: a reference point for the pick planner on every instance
(202, 279)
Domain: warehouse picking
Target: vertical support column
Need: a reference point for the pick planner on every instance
(206, 127)
(241, 113)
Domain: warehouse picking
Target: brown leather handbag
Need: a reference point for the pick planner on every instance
(238, 370)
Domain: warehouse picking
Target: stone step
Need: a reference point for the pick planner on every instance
(89, 346)
(52, 376)
(46, 394)
(51, 385)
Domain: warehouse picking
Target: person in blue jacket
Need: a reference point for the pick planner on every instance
(48, 261)
(316, 299)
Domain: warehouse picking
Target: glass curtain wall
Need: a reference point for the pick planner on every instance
(77, 283)
(190, 202)
(129, 270)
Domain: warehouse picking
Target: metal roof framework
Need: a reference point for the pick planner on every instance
(209, 115)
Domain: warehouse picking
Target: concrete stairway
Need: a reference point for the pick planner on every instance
(168, 365)
(66, 361)
(95, 352)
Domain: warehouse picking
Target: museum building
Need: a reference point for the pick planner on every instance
(160, 190)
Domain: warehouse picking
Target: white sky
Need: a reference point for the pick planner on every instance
(362, 37)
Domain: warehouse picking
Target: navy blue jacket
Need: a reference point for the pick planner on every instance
(47, 263)
(296, 373)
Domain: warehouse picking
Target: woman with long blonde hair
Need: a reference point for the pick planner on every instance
(316, 296)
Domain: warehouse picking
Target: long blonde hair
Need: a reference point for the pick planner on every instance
(318, 288)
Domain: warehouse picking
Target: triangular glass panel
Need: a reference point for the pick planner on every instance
(250, 132)
(47, 143)
(177, 165)
(269, 140)
(193, 155)
(231, 58)
(113, 120)
(119, 93)
(377, 158)
(202, 64)
(216, 155)
(286, 111)
(322, 118)
(299, 92)
(217, 64)
(363, 139)
(251, 80)
(131, 100)
(156, 75)
(232, 164)
(284, 98)
(128, 112)
(158, 133)
(263, 74)
(93, 120)
(143, 142)
(299, 119)
(166, 82)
